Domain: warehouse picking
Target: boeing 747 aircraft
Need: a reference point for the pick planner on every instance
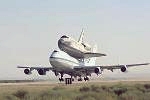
(76, 59)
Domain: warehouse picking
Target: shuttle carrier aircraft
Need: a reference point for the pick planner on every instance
(77, 59)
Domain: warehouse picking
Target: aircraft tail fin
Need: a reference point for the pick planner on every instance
(94, 48)
(81, 37)
(92, 60)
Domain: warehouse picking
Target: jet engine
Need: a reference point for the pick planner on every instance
(42, 72)
(98, 70)
(27, 71)
(123, 69)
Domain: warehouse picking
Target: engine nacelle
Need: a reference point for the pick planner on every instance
(98, 70)
(27, 71)
(123, 69)
(42, 72)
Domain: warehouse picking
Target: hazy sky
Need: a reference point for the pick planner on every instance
(29, 30)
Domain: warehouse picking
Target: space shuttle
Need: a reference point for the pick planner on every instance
(78, 49)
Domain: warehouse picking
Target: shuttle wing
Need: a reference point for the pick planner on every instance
(90, 54)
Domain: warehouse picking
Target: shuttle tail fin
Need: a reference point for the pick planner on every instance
(81, 37)
(92, 60)
(94, 50)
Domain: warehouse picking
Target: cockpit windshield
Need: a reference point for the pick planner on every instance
(64, 36)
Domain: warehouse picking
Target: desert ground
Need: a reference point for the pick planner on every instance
(92, 90)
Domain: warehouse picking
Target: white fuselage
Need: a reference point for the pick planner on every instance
(72, 47)
(63, 62)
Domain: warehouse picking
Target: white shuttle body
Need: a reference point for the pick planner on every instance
(77, 49)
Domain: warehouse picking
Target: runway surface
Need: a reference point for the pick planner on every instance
(57, 83)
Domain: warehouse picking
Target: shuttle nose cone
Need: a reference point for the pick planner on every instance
(60, 41)
(63, 39)
(63, 43)
(64, 36)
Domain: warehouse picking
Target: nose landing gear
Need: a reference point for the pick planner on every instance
(61, 79)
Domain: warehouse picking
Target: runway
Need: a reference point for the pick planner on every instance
(57, 83)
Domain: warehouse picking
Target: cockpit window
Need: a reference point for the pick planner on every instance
(64, 36)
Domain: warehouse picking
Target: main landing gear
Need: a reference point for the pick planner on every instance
(80, 79)
(69, 80)
(85, 79)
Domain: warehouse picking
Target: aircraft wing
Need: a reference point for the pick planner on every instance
(36, 68)
(109, 67)
(41, 70)
(90, 54)
(119, 66)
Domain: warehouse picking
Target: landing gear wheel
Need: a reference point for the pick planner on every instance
(80, 79)
(86, 79)
(61, 79)
(72, 79)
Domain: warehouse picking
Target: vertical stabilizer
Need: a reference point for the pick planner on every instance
(81, 37)
(94, 50)
(92, 61)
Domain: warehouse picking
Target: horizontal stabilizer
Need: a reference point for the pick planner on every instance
(89, 55)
